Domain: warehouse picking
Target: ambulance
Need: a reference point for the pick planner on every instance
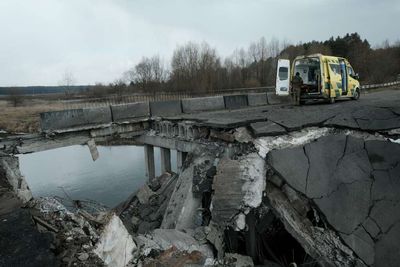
(324, 77)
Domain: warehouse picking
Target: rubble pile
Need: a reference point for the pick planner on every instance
(316, 196)
(145, 210)
(75, 233)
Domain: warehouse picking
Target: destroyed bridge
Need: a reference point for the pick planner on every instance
(258, 179)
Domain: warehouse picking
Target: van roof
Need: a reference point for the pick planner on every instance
(333, 58)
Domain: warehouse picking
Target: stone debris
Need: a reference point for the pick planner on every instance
(163, 239)
(237, 260)
(184, 209)
(144, 194)
(75, 236)
(173, 257)
(115, 245)
(144, 211)
(242, 135)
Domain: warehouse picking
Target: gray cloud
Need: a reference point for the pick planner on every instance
(98, 40)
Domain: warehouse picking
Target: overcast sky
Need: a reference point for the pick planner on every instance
(97, 40)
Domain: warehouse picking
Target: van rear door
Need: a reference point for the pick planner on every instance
(283, 77)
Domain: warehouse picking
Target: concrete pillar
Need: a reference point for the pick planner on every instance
(180, 159)
(165, 160)
(149, 160)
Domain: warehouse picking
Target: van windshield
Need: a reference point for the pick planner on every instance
(309, 70)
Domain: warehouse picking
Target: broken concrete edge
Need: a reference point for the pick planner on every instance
(323, 244)
(264, 144)
(367, 158)
(9, 166)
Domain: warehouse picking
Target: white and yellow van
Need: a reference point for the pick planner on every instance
(324, 77)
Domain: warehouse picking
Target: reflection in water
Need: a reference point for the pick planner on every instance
(117, 173)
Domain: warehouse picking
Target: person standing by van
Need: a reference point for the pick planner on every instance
(297, 82)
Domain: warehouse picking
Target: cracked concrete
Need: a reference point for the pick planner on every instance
(355, 183)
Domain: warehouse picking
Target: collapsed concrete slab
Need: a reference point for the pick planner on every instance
(323, 244)
(238, 186)
(266, 128)
(144, 211)
(184, 208)
(115, 245)
(10, 173)
(355, 185)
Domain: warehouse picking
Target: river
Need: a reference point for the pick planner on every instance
(119, 171)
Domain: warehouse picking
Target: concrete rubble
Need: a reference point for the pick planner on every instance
(320, 196)
(267, 186)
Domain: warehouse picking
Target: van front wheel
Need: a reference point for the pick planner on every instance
(356, 94)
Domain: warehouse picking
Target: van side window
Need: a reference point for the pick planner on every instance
(350, 70)
(283, 73)
(335, 68)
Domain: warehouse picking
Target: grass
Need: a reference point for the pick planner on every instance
(25, 118)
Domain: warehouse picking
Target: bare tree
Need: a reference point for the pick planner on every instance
(15, 97)
(149, 73)
(195, 67)
(67, 80)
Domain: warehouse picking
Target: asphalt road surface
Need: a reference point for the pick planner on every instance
(374, 111)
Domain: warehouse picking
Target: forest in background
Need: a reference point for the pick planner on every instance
(198, 67)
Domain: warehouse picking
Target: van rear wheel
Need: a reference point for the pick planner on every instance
(356, 94)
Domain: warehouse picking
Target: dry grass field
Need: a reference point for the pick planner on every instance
(25, 117)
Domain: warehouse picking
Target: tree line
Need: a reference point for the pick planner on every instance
(197, 67)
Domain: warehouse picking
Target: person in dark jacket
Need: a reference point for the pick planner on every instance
(297, 82)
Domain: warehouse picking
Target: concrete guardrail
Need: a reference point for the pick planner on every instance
(76, 118)
(190, 105)
(166, 108)
(125, 112)
(66, 119)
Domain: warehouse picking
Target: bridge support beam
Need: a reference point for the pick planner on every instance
(165, 160)
(180, 159)
(149, 160)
